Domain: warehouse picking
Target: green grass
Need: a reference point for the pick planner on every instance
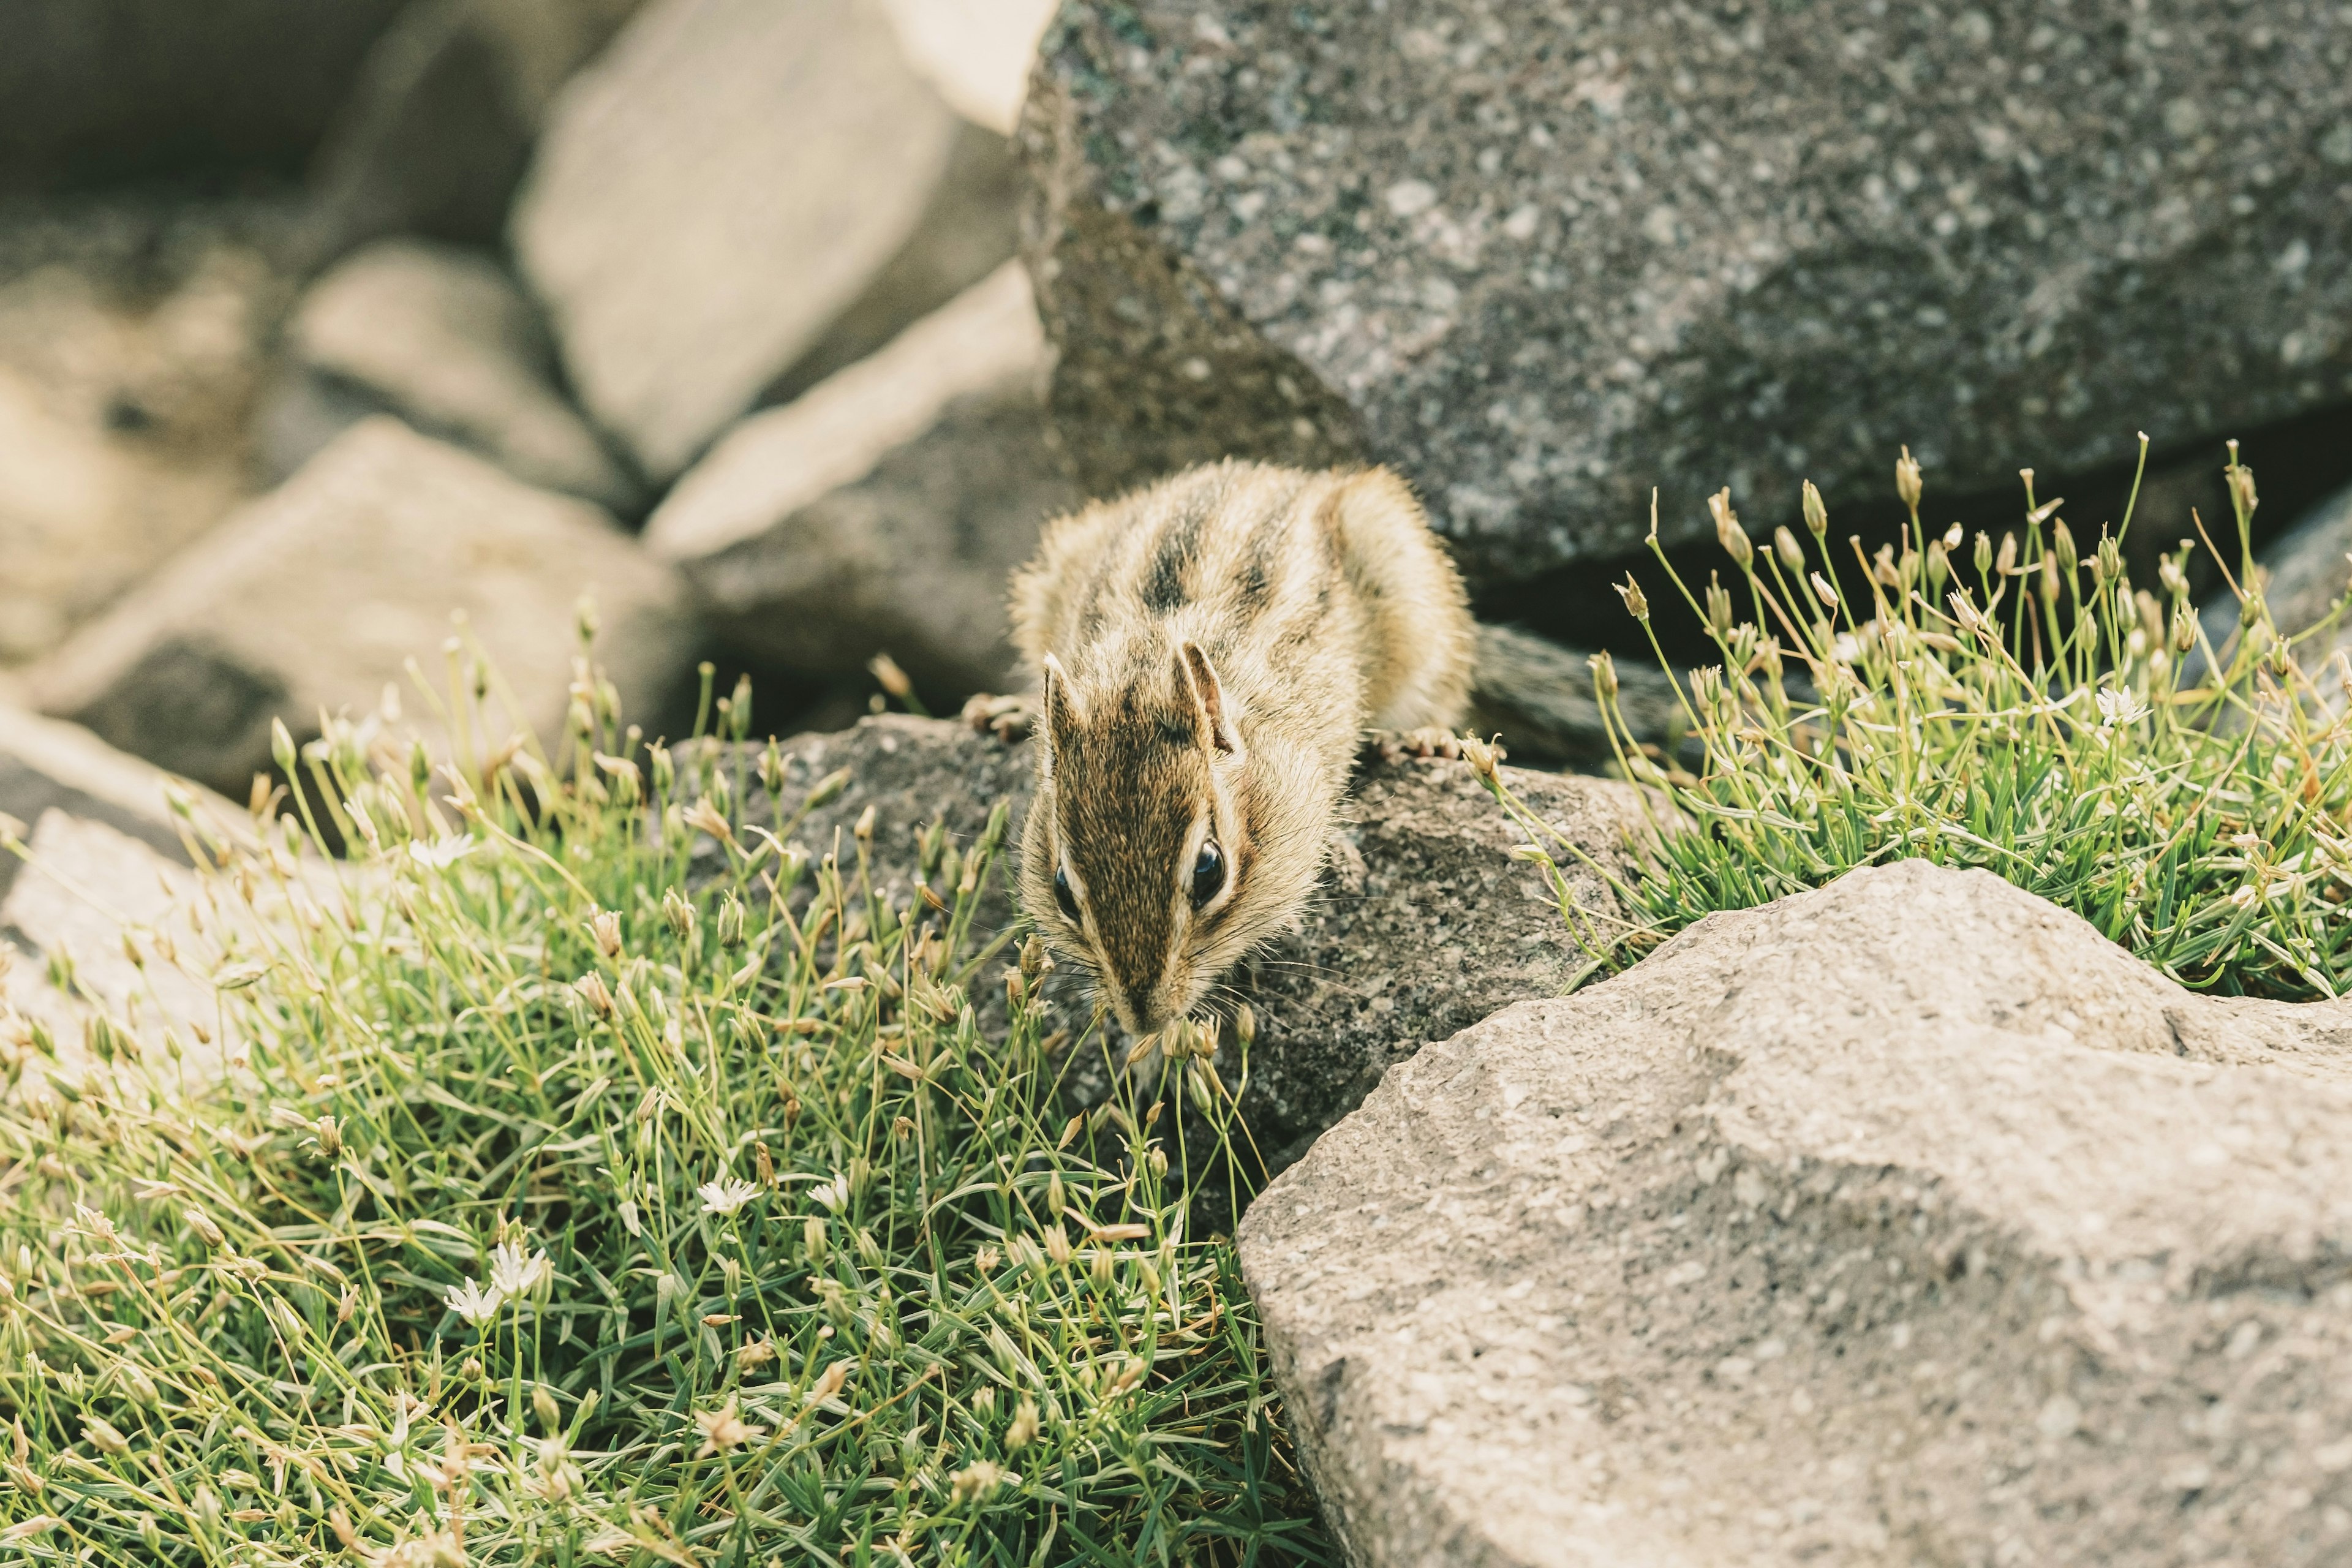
(2014, 705)
(552, 1210)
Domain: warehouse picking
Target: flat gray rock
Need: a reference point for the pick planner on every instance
(47, 765)
(1905, 1220)
(440, 336)
(738, 194)
(883, 511)
(1543, 257)
(1424, 924)
(317, 595)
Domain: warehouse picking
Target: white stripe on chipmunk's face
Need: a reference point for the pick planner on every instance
(1135, 850)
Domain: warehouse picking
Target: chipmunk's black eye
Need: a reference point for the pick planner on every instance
(1208, 873)
(1068, 900)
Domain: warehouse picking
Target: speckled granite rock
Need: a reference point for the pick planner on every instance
(1544, 256)
(1425, 925)
(1908, 1220)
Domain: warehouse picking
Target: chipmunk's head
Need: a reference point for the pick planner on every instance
(1139, 855)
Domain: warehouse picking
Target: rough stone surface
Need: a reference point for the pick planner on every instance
(1424, 924)
(108, 90)
(316, 596)
(46, 765)
(442, 337)
(440, 126)
(1544, 256)
(1903, 1221)
(739, 196)
(123, 403)
(882, 511)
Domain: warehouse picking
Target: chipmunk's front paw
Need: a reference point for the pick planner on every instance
(1006, 718)
(1427, 742)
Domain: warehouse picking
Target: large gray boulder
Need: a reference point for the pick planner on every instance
(738, 197)
(882, 511)
(440, 336)
(438, 127)
(1423, 925)
(316, 596)
(1544, 256)
(94, 91)
(1905, 1220)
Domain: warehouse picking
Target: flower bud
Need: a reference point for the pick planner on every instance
(1727, 532)
(1906, 479)
(1784, 544)
(1817, 516)
(2184, 629)
(2110, 559)
(1821, 587)
(1604, 675)
(2174, 580)
(2062, 545)
(2006, 559)
(281, 747)
(1718, 607)
(1983, 553)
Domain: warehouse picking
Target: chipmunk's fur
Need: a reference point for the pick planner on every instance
(1211, 652)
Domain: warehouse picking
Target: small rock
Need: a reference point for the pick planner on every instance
(738, 198)
(96, 91)
(977, 53)
(438, 127)
(442, 337)
(1424, 924)
(883, 511)
(2001, 1199)
(47, 765)
(1544, 256)
(122, 416)
(315, 598)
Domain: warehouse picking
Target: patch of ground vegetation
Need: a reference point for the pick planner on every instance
(2015, 705)
(522, 1203)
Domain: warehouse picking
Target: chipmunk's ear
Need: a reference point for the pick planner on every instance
(1197, 675)
(1058, 714)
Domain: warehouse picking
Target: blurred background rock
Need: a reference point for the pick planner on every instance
(780, 326)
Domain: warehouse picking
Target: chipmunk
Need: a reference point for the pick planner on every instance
(1211, 653)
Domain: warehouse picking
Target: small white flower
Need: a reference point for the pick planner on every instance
(833, 1195)
(473, 1303)
(2119, 707)
(442, 853)
(515, 1275)
(728, 1195)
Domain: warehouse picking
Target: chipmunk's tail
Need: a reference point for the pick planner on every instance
(1539, 696)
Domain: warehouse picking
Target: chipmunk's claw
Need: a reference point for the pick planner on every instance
(1006, 718)
(1428, 742)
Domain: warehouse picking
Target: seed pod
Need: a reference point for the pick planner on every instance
(1718, 607)
(1604, 675)
(1636, 604)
